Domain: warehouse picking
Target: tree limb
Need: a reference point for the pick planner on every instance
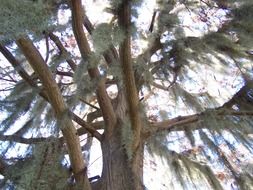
(63, 50)
(102, 96)
(177, 122)
(17, 66)
(124, 20)
(19, 139)
(56, 100)
(111, 55)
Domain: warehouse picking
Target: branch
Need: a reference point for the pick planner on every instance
(56, 100)
(87, 126)
(159, 86)
(17, 66)
(152, 48)
(151, 27)
(124, 20)
(172, 123)
(102, 96)
(111, 55)
(47, 47)
(89, 104)
(145, 57)
(83, 130)
(62, 49)
(93, 115)
(177, 122)
(19, 139)
(63, 73)
(3, 166)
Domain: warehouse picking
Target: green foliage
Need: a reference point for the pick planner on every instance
(17, 104)
(42, 170)
(102, 38)
(105, 35)
(84, 85)
(20, 17)
(181, 64)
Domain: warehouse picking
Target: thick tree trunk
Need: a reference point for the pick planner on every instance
(119, 172)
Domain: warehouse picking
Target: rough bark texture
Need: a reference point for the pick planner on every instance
(119, 171)
(117, 167)
(131, 93)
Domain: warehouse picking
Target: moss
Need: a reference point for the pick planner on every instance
(23, 16)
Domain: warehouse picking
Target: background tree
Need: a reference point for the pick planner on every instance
(136, 88)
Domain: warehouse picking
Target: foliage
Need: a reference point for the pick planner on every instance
(182, 91)
(19, 17)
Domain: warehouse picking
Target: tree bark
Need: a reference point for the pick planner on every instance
(103, 99)
(61, 111)
(118, 170)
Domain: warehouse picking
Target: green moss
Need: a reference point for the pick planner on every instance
(22, 16)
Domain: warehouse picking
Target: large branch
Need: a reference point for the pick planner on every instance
(102, 96)
(124, 20)
(56, 100)
(81, 131)
(177, 122)
(24, 75)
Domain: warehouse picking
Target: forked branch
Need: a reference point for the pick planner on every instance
(102, 96)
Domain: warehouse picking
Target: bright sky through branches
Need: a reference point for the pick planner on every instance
(202, 81)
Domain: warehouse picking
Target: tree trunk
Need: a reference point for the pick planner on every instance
(119, 172)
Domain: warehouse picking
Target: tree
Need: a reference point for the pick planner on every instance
(80, 79)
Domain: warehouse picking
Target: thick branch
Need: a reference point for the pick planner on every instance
(102, 96)
(56, 100)
(124, 19)
(17, 66)
(177, 122)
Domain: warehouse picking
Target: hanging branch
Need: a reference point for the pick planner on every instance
(47, 47)
(151, 27)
